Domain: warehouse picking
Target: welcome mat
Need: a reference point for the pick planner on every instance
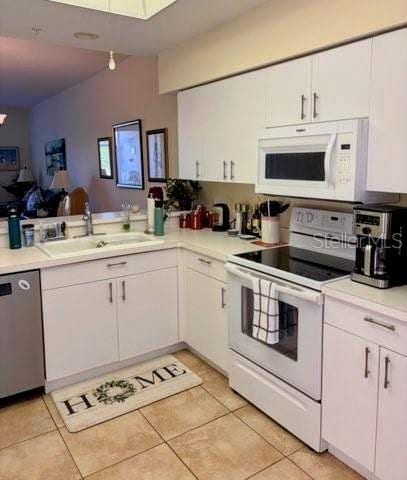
(89, 403)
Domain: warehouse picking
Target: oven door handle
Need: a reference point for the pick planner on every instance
(307, 295)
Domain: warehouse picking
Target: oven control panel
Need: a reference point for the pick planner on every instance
(324, 222)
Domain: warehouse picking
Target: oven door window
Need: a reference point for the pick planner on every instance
(288, 325)
(302, 166)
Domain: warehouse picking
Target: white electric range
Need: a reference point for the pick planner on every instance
(284, 379)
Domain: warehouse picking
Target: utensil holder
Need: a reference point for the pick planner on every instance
(270, 229)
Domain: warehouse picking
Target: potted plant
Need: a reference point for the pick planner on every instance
(181, 193)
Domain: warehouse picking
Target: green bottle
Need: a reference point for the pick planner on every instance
(159, 219)
(14, 233)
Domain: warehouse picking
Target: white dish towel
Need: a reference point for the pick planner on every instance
(265, 314)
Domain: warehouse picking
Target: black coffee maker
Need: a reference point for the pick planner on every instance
(381, 254)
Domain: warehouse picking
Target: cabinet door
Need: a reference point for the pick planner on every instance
(391, 460)
(147, 312)
(341, 82)
(247, 118)
(206, 317)
(349, 398)
(289, 93)
(214, 115)
(387, 166)
(80, 328)
(189, 133)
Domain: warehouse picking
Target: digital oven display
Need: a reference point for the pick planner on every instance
(368, 219)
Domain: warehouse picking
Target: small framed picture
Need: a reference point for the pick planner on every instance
(55, 156)
(128, 152)
(105, 157)
(9, 159)
(157, 155)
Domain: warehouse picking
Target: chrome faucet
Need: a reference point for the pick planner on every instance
(87, 217)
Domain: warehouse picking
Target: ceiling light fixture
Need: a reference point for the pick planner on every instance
(3, 117)
(86, 36)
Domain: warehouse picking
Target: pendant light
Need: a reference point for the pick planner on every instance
(112, 63)
(3, 117)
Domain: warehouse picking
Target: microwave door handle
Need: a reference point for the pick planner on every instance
(328, 157)
(302, 294)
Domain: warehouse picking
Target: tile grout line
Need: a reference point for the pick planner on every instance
(63, 440)
(168, 445)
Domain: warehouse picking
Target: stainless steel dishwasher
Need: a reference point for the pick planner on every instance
(21, 336)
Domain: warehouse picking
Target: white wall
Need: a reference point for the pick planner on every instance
(88, 110)
(274, 31)
(14, 133)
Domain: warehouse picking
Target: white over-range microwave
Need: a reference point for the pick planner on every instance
(326, 160)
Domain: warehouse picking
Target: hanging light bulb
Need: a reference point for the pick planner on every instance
(112, 63)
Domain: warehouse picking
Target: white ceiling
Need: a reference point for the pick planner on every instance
(180, 21)
(31, 71)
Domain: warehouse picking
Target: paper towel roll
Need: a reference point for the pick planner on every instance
(150, 214)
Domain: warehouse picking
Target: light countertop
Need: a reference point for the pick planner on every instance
(391, 301)
(217, 245)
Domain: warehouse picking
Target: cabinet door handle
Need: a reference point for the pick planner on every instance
(302, 106)
(225, 175)
(119, 264)
(110, 292)
(232, 170)
(223, 291)
(123, 290)
(388, 326)
(315, 97)
(367, 352)
(197, 169)
(386, 372)
(206, 262)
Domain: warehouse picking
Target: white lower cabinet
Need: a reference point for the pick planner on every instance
(349, 401)
(89, 325)
(364, 398)
(80, 328)
(391, 460)
(147, 312)
(207, 330)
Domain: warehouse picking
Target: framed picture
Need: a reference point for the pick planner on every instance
(157, 155)
(128, 154)
(105, 157)
(55, 158)
(9, 159)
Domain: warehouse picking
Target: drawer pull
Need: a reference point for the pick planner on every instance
(206, 262)
(380, 324)
(386, 372)
(119, 264)
(367, 352)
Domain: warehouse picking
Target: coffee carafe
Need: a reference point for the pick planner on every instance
(381, 254)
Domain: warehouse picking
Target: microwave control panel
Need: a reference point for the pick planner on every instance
(344, 159)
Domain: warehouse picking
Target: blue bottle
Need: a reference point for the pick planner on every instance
(14, 233)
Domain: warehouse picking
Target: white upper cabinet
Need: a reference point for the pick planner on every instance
(391, 461)
(387, 165)
(214, 123)
(340, 82)
(289, 93)
(189, 133)
(247, 117)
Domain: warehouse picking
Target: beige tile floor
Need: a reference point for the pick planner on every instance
(206, 433)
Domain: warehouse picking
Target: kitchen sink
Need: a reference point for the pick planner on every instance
(96, 244)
